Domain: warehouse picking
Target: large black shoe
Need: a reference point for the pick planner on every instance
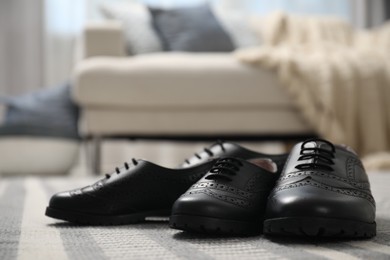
(138, 190)
(322, 192)
(229, 199)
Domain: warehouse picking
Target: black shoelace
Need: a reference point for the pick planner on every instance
(322, 158)
(224, 168)
(208, 151)
(127, 167)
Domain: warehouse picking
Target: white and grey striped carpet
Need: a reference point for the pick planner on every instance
(25, 233)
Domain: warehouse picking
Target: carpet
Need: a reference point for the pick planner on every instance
(25, 233)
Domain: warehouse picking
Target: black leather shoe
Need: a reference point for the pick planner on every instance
(229, 199)
(322, 192)
(226, 149)
(138, 190)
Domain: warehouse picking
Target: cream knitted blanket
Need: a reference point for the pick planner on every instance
(339, 77)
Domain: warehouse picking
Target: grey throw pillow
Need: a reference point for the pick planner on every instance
(192, 29)
(238, 26)
(137, 26)
(46, 113)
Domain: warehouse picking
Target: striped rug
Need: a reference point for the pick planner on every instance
(25, 233)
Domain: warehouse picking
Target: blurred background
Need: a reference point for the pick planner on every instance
(65, 50)
(38, 38)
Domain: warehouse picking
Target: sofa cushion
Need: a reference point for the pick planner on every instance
(208, 121)
(176, 80)
(193, 29)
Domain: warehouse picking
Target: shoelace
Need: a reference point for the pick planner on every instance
(224, 169)
(321, 158)
(208, 151)
(127, 166)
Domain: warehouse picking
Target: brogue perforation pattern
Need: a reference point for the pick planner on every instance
(305, 182)
(225, 198)
(350, 167)
(223, 187)
(362, 185)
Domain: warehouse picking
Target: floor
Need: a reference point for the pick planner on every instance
(25, 233)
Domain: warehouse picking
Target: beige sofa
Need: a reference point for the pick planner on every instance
(176, 95)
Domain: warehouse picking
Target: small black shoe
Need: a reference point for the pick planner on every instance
(323, 191)
(229, 199)
(226, 149)
(129, 195)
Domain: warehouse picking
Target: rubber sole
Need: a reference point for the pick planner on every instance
(209, 225)
(319, 227)
(88, 219)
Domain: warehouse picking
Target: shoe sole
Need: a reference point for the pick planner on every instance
(88, 219)
(319, 227)
(208, 225)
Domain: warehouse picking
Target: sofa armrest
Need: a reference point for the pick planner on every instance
(103, 39)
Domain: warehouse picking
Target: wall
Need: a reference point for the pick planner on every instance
(20, 46)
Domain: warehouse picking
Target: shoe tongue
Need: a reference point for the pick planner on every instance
(318, 144)
(266, 164)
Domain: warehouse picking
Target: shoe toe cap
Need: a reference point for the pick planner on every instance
(204, 205)
(63, 200)
(75, 200)
(314, 202)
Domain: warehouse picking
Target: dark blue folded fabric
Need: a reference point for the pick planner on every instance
(194, 29)
(49, 112)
